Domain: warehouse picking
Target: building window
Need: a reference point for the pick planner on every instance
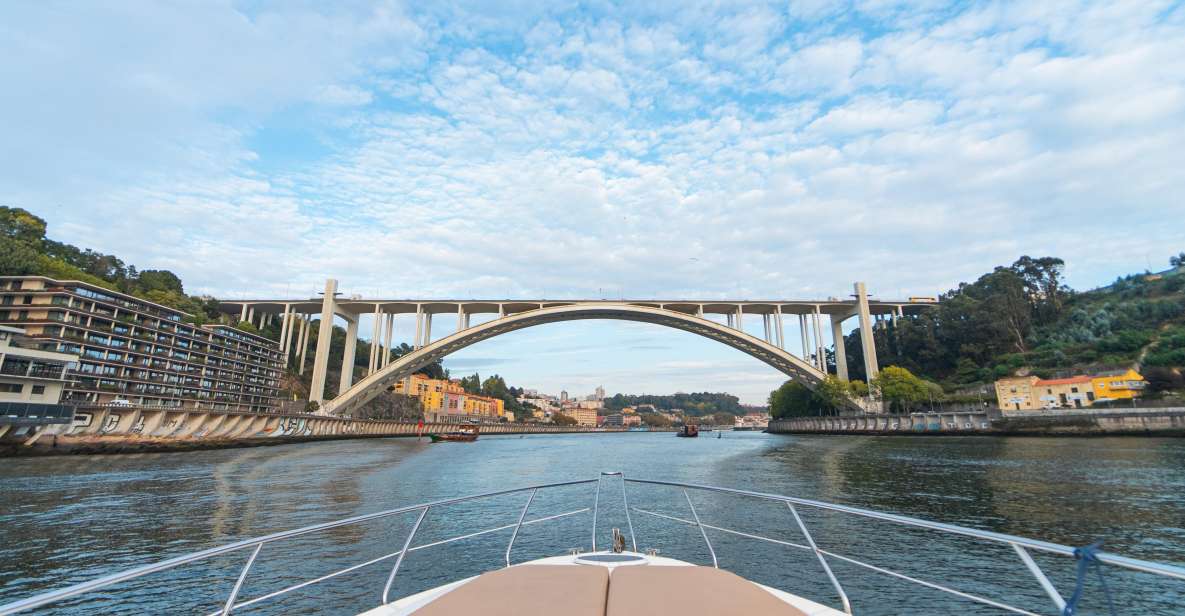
(10, 388)
(39, 390)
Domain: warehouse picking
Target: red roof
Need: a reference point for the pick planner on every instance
(1069, 381)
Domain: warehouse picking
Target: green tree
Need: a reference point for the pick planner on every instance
(833, 392)
(17, 258)
(900, 388)
(858, 388)
(21, 225)
(159, 280)
(495, 387)
(1178, 260)
(655, 420)
(561, 419)
(793, 399)
(471, 384)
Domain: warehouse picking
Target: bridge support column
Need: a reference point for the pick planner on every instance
(765, 327)
(415, 343)
(374, 340)
(740, 318)
(285, 332)
(866, 341)
(779, 330)
(820, 348)
(427, 329)
(303, 343)
(388, 337)
(460, 317)
(243, 314)
(841, 354)
(324, 334)
(806, 352)
(347, 378)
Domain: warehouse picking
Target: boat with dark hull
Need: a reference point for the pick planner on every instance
(688, 431)
(465, 435)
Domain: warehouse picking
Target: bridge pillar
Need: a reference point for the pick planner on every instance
(820, 348)
(802, 337)
(389, 328)
(285, 331)
(374, 340)
(303, 343)
(347, 377)
(324, 335)
(415, 343)
(779, 330)
(427, 329)
(866, 340)
(841, 354)
(243, 314)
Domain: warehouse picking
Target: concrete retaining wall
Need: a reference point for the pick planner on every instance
(124, 429)
(1150, 422)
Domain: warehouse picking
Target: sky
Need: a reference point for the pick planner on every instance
(562, 150)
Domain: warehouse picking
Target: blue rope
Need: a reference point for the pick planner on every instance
(1087, 556)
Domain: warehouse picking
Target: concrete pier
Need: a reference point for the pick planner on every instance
(117, 429)
(1131, 422)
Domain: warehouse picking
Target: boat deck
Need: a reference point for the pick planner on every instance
(604, 584)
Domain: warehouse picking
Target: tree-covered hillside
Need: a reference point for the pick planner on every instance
(1024, 317)
(695, 404)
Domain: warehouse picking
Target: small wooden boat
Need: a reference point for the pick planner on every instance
(465, 435)
(690, 430)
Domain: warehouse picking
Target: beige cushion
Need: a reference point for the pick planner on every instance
(527, 590)
(648, 590)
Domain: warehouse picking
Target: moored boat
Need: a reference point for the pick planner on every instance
(688, 431)
(464, 435)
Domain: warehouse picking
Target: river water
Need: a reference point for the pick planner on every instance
(67, 519)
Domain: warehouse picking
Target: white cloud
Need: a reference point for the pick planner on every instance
(714, 151)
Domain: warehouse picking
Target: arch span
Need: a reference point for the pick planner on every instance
(369, 387)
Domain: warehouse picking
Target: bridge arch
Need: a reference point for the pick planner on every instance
(375, 383)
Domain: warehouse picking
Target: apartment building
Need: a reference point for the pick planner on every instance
(132, 351)
(31, 383)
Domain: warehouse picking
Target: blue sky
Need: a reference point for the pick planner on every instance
(585, 150)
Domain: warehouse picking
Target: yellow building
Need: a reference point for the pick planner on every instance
(1029, 393)
(583, 416)
(431, 392)
(484, 406)
(1118, 385)
(1017, 393)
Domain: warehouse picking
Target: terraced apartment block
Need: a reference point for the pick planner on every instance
(133, 351)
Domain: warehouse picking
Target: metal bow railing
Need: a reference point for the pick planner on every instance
(825, 557)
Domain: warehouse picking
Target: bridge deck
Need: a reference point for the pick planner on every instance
(356, 306)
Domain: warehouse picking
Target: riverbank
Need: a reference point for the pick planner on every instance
(140, 430)
(1126, 422)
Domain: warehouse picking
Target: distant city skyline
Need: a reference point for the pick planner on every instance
(742, 150)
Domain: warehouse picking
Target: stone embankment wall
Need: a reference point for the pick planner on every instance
(1146, 422)
(126, 429)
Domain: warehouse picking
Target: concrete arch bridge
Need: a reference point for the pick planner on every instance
(809, 367)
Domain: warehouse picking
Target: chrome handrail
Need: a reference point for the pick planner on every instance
(171, 563)
(1018, 544)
